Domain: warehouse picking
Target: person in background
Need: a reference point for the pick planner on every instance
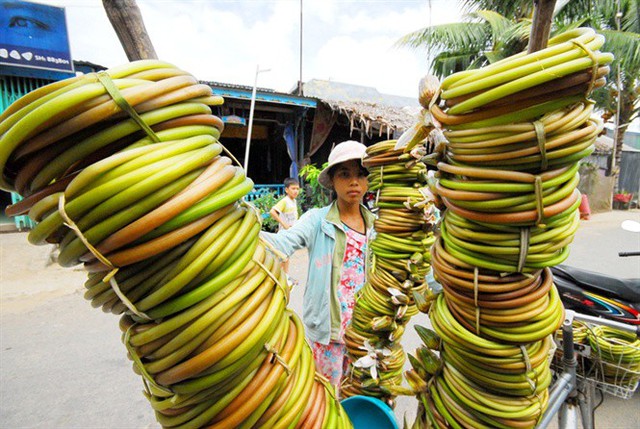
(336, 237)
(285, 212)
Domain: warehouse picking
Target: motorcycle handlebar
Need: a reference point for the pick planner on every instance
(570, 315)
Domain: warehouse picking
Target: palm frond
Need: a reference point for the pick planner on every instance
(512, 41)
(451, 37)
(631, 16)
(605, 99)
(559, 27)
(499, 24)
(446, 63)
(512, 8)
(625, 46)
(478, 62)
(518, 32)
(572, 10)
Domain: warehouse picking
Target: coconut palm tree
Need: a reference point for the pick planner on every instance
(495, 29)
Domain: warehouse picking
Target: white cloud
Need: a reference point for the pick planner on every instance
(348, 41)
(91, 35)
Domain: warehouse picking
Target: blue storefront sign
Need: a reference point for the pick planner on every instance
(34, 35)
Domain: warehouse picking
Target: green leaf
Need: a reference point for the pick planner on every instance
(456, 36)
(264, 203)
(318, 197)
(499, 24)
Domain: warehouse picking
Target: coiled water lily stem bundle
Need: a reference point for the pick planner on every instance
(123, 170)
(610, 358)
(508, 177)
(400, 260)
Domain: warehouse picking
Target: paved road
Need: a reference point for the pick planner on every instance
(62, 364)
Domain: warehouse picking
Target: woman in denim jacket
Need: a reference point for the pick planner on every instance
(336, 237)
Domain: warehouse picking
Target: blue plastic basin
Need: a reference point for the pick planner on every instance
(366, 412)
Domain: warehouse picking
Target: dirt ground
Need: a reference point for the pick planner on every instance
(62, 364)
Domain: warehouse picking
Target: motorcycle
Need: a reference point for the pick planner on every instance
(600, 295)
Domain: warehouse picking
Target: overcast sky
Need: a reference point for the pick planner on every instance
(217, 40)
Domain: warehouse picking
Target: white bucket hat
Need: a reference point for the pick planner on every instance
(342, 152)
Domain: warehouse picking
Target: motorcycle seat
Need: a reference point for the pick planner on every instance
(626, 289)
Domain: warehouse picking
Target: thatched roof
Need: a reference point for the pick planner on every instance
(364, 106)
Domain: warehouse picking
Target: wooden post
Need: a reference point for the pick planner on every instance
(541, 25)
(127, 21)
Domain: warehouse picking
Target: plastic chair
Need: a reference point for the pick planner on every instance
(366, 412)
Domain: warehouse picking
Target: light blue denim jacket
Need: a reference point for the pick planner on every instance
(320, 231)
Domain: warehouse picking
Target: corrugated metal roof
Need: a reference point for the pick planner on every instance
(244, 92)
(237, 86)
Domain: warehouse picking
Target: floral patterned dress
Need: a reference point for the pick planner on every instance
(331, 359)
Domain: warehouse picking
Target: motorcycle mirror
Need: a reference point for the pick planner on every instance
(631, 225)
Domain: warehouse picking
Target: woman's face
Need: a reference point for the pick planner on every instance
(350, 181)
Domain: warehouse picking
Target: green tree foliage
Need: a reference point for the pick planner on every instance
(264, 203)
(314, 194)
